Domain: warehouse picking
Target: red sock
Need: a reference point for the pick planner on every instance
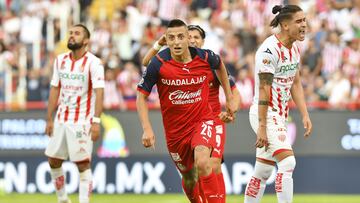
(211, 188)
(192, 193)
(222, 191)
(202, 194)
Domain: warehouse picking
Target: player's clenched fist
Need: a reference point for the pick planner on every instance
(49, 127)
(95, 131)
(148, 139)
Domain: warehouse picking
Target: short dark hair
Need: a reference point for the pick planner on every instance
(198, 28)
(176, 23)
(87, 32)
(285, 12)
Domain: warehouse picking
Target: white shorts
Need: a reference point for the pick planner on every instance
(70, 140)
(277, 136)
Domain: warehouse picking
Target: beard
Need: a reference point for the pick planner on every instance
(74, 46)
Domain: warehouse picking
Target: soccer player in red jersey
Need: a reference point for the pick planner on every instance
(277, 79)
(197, 39)
(182, 74)
(78, 84)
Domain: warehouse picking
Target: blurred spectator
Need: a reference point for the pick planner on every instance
(32, 31)
(338, 89)
(331, 55)
(245, 85)
(112, 96)
(127, 80)
(33, 85)
(312, 57)
(351, 59)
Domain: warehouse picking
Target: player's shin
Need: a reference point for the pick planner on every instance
(222, 190)
(58, 178)
(284, 181)
(257, 184)
(85, 186)
(192, 190)
(207, 177)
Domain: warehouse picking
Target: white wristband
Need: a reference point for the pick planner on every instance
(96, 119)
(157, 46)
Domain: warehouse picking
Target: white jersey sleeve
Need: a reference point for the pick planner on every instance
(266, 59)
(55, 77)
(97, 74)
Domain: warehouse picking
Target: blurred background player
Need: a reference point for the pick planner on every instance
(277, 79)
(197, 38)
(183, 85)
(78, 84)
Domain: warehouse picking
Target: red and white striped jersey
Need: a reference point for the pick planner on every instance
(273, 57)
(77, 81)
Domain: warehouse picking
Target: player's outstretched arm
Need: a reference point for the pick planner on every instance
(53, 99)
(148, 138)
(297, 94)
(153, 50)
(99, 100)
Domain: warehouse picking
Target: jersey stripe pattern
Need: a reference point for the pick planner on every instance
(273, 57)
(77, 80)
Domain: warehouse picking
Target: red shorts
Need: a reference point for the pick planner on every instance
(182, 153)
(220, 136)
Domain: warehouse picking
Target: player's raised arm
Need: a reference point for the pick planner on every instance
(153, 50)
(297, 93)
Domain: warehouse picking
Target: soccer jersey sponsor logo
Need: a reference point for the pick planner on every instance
(285, 80)
(186, 81)
(186, 69)
(72, 87)
(72, 76)
(185, 97)
(288, 67)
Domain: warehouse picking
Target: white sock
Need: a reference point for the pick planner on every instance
(58, 178)
(257, 184)
(85, 186)
(284, 181)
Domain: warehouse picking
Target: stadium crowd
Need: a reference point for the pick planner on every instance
(33, 32)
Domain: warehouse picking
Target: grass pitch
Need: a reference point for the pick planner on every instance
(172, 198)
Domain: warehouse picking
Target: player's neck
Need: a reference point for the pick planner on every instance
(77, 54)
(285, 40)
(184, 58)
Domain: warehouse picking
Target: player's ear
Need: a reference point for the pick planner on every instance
(284, 25)
(86, 41)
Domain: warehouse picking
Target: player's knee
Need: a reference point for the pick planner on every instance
(55, 163)
(82, 166)
(216, 165)
(263, 171)
(287, 165)
(203, 165)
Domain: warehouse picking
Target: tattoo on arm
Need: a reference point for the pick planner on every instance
(266, 79)
(263, 102)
